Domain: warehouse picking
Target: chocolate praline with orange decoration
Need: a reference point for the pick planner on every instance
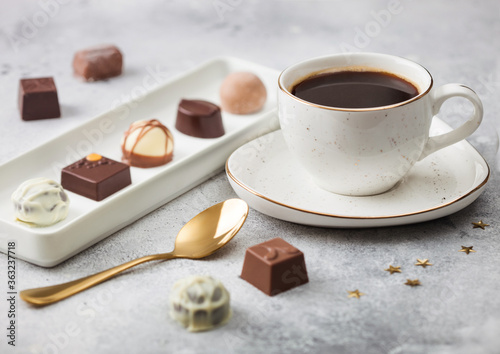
(95, 177)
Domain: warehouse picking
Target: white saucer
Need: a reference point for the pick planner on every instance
(264, 174)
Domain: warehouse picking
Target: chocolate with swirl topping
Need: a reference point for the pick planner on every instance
(147, 143)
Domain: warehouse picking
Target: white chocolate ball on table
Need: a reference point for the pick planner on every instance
(200, 303)
(242, 93)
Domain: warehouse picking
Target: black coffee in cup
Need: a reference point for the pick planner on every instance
(355, 89)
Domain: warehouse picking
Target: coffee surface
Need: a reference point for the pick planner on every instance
(355, 89)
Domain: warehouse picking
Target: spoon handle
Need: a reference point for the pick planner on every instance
(50, 294)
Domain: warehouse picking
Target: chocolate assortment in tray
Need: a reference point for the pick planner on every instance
(147, 143)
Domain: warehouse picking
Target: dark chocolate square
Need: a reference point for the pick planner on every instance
(274, 266)
(95, 179)
(38, 99)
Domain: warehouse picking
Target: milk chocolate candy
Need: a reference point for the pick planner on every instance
(200, 119)
(38, 99)
(274, 266)
(98, 63)
(95, 177)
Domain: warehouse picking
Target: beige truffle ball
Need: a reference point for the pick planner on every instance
(242, 93)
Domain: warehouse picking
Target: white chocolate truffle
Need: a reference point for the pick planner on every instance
(200, 303)
(147, 143)
(242, 93)
(40, 202)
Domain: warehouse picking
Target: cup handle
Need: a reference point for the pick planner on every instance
(441, 94)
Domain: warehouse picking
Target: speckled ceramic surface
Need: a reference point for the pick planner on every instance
(367, 150)
(264, 173)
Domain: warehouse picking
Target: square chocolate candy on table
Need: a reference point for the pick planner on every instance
(38, 99)
(95, 177)
(274, 266)
(98, 63)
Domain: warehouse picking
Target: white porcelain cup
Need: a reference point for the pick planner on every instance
(366, 151)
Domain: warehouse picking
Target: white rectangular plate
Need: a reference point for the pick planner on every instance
(195, 160)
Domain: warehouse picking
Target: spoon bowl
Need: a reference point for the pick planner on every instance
(200, 237)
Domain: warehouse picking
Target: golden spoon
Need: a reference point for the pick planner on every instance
(200, 237)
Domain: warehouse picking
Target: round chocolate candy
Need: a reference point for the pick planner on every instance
(242, 93)
(147, 143)
(40, 202)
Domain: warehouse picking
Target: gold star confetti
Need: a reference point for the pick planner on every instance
(467, 250)
(355, 294)
(393, 270)
(423, 262)
(479, 224)
(412, 283)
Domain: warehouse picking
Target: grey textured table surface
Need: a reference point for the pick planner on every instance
(457, 308)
